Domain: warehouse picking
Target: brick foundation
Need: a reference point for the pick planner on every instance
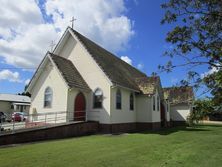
(179, 123)
(128, 127)
(169, 124)
(46, 133)
(74, 129)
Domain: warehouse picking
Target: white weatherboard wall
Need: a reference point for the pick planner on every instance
(92, 74)
(123, 115)
(156, 115)
(17, 108)
(179, 112)
(143, 108)
(50, 77)
(167, 107)
(5, 106)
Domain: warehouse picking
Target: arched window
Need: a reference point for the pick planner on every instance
(48, 97)
(98, 98)
(131, 101)
(154, 103)
(118, 99)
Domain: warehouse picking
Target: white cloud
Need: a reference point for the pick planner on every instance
(101, 20)
(16, 15)
(10, 76)
(211, 71)
(126, 59)
(140, 66)
(25, 36)
(27, 81)
(27, 49)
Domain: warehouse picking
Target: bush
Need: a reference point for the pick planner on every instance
(201, 109)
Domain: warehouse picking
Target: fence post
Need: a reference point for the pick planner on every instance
(13, 125)
(1, 125)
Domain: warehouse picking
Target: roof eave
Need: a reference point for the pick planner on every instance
(117, 85)
(38, 70)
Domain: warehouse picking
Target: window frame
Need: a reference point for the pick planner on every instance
(158, 103)
(154, 103)
(45, 105)
(118, 99)
(94, 99)
(131, 102)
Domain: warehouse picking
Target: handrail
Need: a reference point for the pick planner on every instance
(37, 120)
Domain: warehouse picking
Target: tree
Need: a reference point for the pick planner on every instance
(214, 82)
(25, 93)
(202, 108)
(197, 38)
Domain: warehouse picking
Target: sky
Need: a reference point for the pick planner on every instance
(130, 29)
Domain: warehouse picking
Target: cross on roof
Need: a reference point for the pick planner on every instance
(52, 44)
(73, 19)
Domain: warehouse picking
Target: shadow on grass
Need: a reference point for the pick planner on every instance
(202, 125)
(168, 131)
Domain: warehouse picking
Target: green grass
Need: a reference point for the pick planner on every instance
(200, 146)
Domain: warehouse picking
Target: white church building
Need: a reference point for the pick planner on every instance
(83, 79)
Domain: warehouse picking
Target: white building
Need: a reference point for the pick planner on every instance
(181, 103)
(91, 84)
(10, 103)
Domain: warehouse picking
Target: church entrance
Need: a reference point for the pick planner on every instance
(80, 107)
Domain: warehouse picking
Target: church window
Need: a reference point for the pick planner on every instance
(131, 101)
(48, 98)
(158, 103)
(118, 99)
(154, 103)
(98, 98)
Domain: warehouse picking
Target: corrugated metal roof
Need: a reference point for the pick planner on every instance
(15, 98)
(148, 85)
(176, 95)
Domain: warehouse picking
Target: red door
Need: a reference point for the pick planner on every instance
(80, 106)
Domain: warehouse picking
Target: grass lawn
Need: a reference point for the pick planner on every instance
(200, 146)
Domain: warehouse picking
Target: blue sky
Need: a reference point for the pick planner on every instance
(143, 43)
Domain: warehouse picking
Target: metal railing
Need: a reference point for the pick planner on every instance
(40, 120)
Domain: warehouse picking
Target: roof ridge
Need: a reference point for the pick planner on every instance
(119, 72)
(112, 54)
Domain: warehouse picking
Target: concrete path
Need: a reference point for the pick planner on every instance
(211, 122)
